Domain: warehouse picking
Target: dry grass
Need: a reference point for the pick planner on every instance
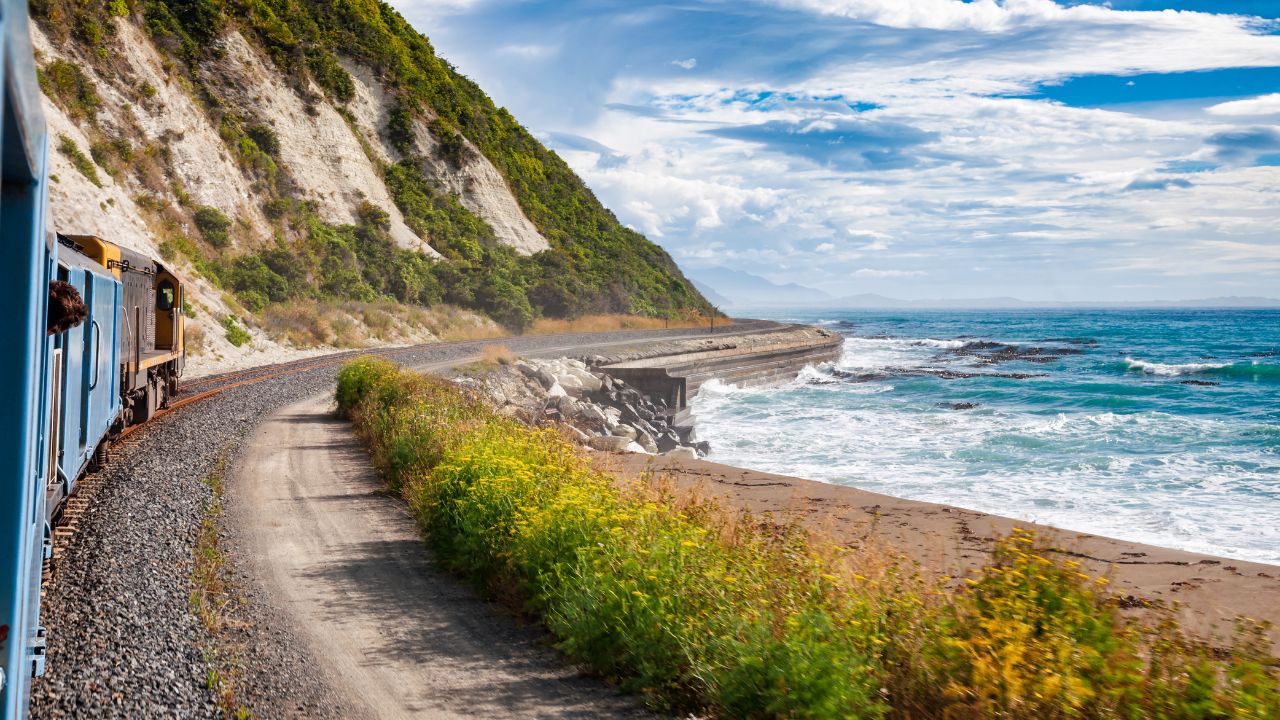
(497, 355)
(214, 602)
(612, 323)
(193, 338)
(353, 324)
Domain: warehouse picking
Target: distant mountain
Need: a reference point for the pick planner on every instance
(710, 294)
(735, 287)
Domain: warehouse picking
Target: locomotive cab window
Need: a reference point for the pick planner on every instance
(164, 295)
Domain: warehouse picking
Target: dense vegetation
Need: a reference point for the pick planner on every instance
(595, 265)
(717, 613)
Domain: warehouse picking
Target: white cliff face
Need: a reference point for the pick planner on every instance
(479, 186)
(317, 147)
(200, 163)
(371, 107)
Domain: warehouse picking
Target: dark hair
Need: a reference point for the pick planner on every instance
(66, 308)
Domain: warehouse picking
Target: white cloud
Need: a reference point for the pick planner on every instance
(825, 247)
(874, 273)
(430, 10)
(983, 15)
(688, 64)
(528, 52)
(1261, 105)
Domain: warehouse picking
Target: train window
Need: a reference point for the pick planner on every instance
(164, 295)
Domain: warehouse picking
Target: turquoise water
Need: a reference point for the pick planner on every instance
(1159, 426)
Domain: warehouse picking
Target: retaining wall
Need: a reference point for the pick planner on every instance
(775, 358)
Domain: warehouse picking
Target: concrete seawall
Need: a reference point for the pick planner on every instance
(674, 373)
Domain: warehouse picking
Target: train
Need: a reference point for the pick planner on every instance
(111, 359)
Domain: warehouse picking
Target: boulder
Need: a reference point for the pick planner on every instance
(625, 431)
(610, 443)
(568, 407)
(569, 381)
(578, 436)
(526, 369)
(636, 447)
(681, 453)
(555, 391)
(592, 414)
(645, 440)
(545, 378)
(667, 441)
(589, 382)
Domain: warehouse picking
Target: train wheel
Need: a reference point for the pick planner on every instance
(100, 458)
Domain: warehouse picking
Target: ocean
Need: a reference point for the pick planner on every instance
(1157, 426)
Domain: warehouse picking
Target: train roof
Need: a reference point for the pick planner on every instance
(107, 253)
(70, 256)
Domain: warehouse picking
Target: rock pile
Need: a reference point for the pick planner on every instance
(600, 411)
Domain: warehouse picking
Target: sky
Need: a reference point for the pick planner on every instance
(1067, 151)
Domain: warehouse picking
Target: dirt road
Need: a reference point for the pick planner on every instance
(398, 633)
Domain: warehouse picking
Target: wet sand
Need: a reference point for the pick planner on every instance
(1206, 593)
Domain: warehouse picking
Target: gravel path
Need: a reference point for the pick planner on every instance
(123, 640)
(401, 637)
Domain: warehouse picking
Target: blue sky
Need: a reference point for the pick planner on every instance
(916, 148)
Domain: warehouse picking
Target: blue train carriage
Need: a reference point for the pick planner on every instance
(25, 400)
(85, 372)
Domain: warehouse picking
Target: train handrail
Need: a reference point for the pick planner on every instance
(97, 353)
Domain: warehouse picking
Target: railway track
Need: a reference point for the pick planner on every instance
(68, 519)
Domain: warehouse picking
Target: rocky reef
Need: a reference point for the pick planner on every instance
(597, 409)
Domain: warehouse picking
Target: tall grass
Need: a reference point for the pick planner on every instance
(612, 323)
(355, 324)
(708, 610)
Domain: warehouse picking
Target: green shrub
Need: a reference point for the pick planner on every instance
(65, 82)
(236, 334)
(264, 138)
(330, 75)
(722, 614)
(450, 145)
(88, 31)
(112, 155)
(213, 225)
(78, 159)
(400, 132)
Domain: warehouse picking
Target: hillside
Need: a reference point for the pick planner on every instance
(315, 162)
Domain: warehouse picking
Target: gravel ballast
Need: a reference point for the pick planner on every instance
(123, 641)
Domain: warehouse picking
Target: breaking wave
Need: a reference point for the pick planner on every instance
(1252, 369)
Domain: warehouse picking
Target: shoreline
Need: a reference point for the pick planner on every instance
(1204, 593)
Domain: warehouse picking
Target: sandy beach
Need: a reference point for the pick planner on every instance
(1206, 593)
